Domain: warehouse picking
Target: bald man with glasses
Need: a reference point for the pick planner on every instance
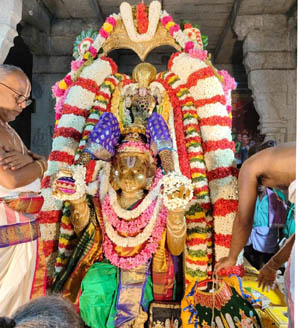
(20, 174)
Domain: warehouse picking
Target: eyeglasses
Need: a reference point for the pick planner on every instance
(21, 98)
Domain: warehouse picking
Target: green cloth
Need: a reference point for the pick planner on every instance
(148, 294)
(237, 311)
(289, 227)
(99, 294)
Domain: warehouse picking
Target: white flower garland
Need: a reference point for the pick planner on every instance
(172, 183)
(132, 214)
(154, 15)
(132, 241)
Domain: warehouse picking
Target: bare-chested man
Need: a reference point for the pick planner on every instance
(20, 172)
(274, 168)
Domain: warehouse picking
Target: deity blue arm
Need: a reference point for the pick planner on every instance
(104, 137)
(157, 133)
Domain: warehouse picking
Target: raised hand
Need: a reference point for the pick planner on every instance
(181, 193)
(63, 184)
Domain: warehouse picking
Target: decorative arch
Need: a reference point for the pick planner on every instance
(118, 39)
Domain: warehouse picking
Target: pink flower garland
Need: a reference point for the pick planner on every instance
(229, 83)
(130, 226)
(144, 255)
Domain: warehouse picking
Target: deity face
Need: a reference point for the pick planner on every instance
(131, 171)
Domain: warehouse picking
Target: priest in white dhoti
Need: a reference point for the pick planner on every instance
(21, 263)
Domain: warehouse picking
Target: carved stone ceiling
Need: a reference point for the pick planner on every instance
(215, 17)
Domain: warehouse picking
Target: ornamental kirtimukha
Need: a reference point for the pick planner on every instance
(141, 188)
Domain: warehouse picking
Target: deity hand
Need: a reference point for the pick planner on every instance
(69, 184)
(65, 187)
(177, 193)
(63, 184)
(180, 193)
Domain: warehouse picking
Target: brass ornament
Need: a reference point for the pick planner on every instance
(144, 74)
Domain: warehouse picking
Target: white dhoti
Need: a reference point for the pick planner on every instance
(17, 268)
(17, 260)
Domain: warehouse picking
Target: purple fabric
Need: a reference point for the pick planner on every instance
(264, 239)
(125, 312)
(277, 210)
(13, 234)
(106, 134)
(157, 133)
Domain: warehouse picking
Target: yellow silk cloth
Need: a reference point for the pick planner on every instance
(162, 271)
(130, 293)
(72, 286)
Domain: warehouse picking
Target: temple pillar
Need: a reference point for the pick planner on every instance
(270, 62)
(10, 16)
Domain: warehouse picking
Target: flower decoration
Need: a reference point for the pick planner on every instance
(200, 128)
(153, 17)
(142, 19)
(172, 183)
(83, 42)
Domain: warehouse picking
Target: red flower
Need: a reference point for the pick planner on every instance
(188, 25)
(218, 98)
(237, 270)
(45, 182)
(87, 84)
(223, 207)
(142, 19)
(222, 240)
(222, 172)
(61, 156)
(212, 145)
(170, 64)
(68, 109)
(216, 120)
(67, 133)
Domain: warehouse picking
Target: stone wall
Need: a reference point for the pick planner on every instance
(51, 62)
(46, 71)
(270, 60)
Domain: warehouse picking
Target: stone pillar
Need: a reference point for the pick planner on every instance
(10, 16)
(270, 62)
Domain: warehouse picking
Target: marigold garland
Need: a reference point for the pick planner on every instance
(184, 143)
